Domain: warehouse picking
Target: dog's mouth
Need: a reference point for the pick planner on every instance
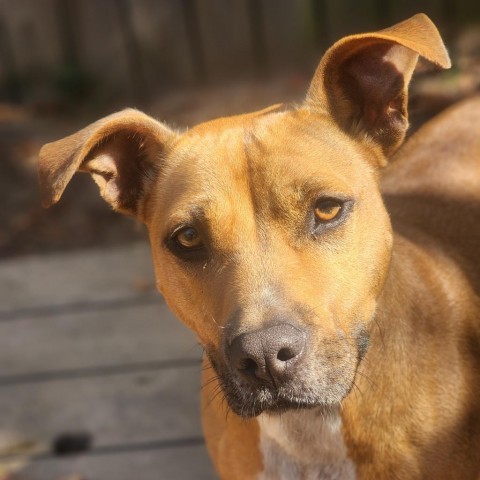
(247, 401)
(322, 378)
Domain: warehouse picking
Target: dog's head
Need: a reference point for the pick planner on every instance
(268, 231)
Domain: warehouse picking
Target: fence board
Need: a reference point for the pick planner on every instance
(290, 33)
(468, 11)
(101, 46)
(33, 31)
(349, 16)
(226, 37)
(161, 32)
(184, 41)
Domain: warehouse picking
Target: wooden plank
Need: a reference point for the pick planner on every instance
(85, 276)
(114, 410)
(166, 464)
(89, 340)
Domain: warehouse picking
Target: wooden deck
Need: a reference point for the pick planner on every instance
(89, 350)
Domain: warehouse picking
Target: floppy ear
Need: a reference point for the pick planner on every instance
(122, 152)
(362, 80)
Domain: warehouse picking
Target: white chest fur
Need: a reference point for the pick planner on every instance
(304, 445)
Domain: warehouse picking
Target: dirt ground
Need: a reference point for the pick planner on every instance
(83, 220)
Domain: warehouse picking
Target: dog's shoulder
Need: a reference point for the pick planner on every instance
(432, 187)
(442, 158)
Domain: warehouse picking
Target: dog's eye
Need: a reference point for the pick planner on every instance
(327, 210)
(188, 238)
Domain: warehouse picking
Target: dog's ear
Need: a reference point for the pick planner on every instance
(122, 152)
(362, 80)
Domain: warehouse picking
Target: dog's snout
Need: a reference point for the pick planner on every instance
(269, 353)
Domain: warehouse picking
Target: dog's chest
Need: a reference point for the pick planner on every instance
(304, 445)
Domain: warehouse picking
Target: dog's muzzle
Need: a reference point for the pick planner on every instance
(285, 366)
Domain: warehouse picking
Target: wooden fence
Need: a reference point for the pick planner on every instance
(141, 46)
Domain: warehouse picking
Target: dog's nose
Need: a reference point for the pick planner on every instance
(269, 353)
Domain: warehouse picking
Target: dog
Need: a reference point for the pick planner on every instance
(332, 279)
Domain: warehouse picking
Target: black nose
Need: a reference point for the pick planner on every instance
(268, 354)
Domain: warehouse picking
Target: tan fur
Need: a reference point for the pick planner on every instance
(409, 409)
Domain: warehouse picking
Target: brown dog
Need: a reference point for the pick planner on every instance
(344, 348)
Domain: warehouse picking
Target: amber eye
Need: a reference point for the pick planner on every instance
(188, 238)
(327, 210)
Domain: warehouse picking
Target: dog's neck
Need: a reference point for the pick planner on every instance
(406, 303)
(305, 444)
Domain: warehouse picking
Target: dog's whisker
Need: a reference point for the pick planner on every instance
(221, 327)
(209, 382)
(214, 396)
(366, 377)
(206, 369)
